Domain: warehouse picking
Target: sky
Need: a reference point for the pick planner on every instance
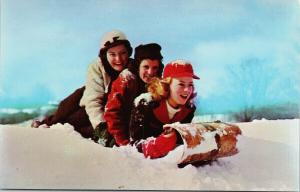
(245, 52)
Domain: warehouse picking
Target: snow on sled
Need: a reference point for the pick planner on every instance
(203, 142)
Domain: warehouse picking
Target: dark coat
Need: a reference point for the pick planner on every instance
(148, 118)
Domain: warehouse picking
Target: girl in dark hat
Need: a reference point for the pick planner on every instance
(131, 83)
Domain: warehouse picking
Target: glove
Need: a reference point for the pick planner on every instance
(36, 124)
(102, 136)
(160, 146)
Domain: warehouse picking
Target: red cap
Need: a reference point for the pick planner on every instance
(179, 68)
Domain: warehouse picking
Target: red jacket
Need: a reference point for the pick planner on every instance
(147, 121)
(119, 103)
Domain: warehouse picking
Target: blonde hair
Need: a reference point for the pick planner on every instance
(159, 88)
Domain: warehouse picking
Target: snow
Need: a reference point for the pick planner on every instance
(41, 110)
(14, 111)
(208, 144)
(9, 111)
(147, 97)
(277, 130)
(59, 158)
(127, 75)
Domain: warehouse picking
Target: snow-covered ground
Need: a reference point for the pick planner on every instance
(59, 158)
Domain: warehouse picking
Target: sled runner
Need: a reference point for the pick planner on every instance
(206, 141)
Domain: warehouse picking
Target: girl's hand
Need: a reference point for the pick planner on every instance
(168, 133)
(167, 130)
(160, 146)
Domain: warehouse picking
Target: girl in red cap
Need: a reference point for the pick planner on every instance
(131, 83)
(84, 108)
(168, 100)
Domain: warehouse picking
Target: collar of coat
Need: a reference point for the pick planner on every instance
(161, 113)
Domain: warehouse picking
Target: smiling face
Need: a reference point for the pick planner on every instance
(117, 57)
(148, 69)
(181, 88)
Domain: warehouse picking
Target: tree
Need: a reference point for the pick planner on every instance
(250, 82)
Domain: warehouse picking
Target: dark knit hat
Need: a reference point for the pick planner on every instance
(148, 51)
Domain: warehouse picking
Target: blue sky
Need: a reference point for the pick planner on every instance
(46, 45)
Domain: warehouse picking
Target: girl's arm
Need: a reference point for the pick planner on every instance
(117, 108)
(94, 95)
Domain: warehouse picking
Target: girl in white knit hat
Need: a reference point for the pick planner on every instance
(84, 108)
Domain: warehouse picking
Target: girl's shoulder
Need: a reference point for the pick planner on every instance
(96, 67)
(190, 105)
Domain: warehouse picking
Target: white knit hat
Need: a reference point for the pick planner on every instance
(109, 38)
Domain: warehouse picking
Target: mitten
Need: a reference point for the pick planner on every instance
(160, 146)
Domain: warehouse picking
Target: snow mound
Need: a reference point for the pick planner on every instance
(59, 158)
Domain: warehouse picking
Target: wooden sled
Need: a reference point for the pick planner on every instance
(206, 141)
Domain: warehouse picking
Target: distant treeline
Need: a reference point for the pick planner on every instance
(284, 111)
(247, 114)
(19, 115)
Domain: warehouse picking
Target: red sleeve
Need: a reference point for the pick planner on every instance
(113, 114)
(159, 147)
